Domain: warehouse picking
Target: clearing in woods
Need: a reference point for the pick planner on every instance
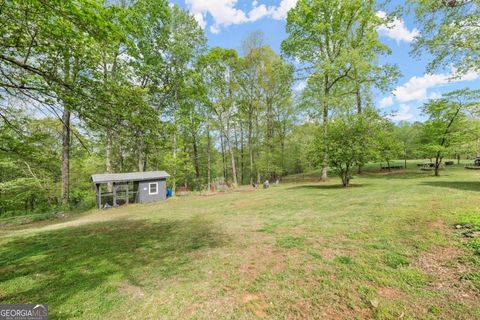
(384, 248)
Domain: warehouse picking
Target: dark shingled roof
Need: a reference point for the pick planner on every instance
(129, 176)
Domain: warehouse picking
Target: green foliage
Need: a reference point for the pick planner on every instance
(449, 33)
(349, 142)
(388, 145)
(180, 165)
(92, 86)
(446, 130)
(299, 149)
(338, 43)
(409, 136)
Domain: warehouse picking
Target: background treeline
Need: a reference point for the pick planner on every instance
(115, 86)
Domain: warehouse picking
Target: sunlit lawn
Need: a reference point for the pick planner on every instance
(384, 248)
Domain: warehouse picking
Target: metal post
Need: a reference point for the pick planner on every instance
(114, 194)
(126, 193)
(99, 195)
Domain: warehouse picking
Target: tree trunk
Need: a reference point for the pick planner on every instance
(282, 148)
(236, 154)
(222, 144)
(108, 158)
(242, 158)
(209, 166)
(108, 133)
(228, 144)
(121, 157)
(195, 158)
(141, 155)
(345, 179)
(438, 160)
(359, 111)
(257, 145)
(234, 170)
(324, 175)
(66, 139)
(174, 154)
(359, 99)
(360, 169)
(65, 188)
(250, 146)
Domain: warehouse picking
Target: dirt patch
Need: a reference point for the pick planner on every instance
(240, 204)
(329, 313)
(328, 253)
(342, 312)
(389, 293)
(255, 304)
(261, 260)
(448, 272)
(259, 255)
(247, 297)
(438, 225)
(127, 289)
(220, 193)
(243, 190)
(210, 307)
(331, 253)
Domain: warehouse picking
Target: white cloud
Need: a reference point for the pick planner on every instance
(280, 12)
(214, 29)
(469, 76)
(225, 12)
(396, 29)
(200, 19)
(385, 102)
(403, 114)
(416, 87)
(258, 12)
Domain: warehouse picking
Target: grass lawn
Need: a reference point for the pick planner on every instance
(386, 248)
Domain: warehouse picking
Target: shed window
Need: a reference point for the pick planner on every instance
(153, 188)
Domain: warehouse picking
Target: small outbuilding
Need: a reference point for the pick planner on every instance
(113, 189)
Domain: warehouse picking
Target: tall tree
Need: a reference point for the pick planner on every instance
(48, 51)
(328, 39)
(218, 69)
(276, 81)
(445, 128)
(450, 33)
(249, 75)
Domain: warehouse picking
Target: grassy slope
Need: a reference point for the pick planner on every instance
(384, 248)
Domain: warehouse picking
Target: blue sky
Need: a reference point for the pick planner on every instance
(227, 22)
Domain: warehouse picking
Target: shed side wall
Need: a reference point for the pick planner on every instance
(143, 195)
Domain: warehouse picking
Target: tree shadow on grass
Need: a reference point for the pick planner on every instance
(460, 185)
(64, 264)
(397, 174)
(326, 186)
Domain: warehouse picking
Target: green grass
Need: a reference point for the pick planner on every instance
(386, 248)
